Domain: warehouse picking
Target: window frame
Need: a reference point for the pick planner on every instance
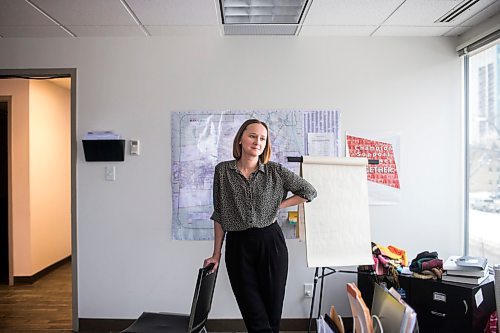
(465, 53)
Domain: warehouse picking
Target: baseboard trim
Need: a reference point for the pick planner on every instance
(237, 325)
(98, 325)
(95, 325)
(35, 277)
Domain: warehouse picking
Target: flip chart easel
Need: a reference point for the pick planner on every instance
(342, 196)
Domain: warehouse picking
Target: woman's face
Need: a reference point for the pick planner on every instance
(253, 141)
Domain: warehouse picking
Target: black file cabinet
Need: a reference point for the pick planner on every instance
(447, 307)
(443, 307)
(366, 281)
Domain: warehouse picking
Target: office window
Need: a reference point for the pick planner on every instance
(483, 218)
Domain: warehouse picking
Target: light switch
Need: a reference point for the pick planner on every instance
(135, 147)
(110, 173)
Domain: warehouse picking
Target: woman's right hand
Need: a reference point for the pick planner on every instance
(212, 260)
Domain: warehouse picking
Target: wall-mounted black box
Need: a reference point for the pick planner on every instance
(104, 150)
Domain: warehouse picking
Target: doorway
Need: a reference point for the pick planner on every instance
(4, 197)
(6, 74)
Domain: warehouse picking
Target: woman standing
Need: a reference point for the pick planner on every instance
(247, 194)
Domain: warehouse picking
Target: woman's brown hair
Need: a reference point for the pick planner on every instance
(266, 154)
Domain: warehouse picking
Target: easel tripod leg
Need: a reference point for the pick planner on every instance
(312, 300)
(321, 291)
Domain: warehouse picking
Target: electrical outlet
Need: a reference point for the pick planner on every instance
(308, 289)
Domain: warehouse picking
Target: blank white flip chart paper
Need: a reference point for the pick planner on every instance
(337, 222)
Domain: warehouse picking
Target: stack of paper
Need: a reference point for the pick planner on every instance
(102, 135)
(469, 270)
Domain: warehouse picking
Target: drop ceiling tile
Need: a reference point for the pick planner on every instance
(177, 30)
(457, 31)
(486, 13)
(32, 31)
(330, 30)
(106, 31)
(86, 12)
(175, 12)
(350, 12)
(411, 31)
(201, 17)
(15, 12)
(426, 12)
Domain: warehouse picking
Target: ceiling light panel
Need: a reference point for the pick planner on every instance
(262, 11)
(260, 29)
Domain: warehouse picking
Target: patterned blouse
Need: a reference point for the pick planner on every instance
(241, 203)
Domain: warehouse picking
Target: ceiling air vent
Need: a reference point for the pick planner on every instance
(262, 17)
(456, 11)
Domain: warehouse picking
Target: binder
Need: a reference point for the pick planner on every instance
(393, 312)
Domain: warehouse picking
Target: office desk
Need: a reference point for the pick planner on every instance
(443, 307)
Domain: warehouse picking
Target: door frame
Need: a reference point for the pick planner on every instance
(51, 73)
(8, 100)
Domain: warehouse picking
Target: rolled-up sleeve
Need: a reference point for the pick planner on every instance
(297, 185)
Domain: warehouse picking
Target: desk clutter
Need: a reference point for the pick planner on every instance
(391, 260)
(447, 296)
(424, 295)
(389, 313)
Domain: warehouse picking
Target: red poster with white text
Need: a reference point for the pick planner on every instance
(385, 172)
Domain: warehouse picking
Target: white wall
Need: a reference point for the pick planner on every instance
(127, 261)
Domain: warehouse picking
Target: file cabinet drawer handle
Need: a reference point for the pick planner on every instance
(439, 314)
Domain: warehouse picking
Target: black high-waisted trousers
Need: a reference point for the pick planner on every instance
(257, 265)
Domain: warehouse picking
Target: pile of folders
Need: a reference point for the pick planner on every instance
(465, 269)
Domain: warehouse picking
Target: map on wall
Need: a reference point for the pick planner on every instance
(200, 140)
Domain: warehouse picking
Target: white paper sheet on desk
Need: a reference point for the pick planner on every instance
(337, 222)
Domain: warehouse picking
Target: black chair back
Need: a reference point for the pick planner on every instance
(202, 300)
